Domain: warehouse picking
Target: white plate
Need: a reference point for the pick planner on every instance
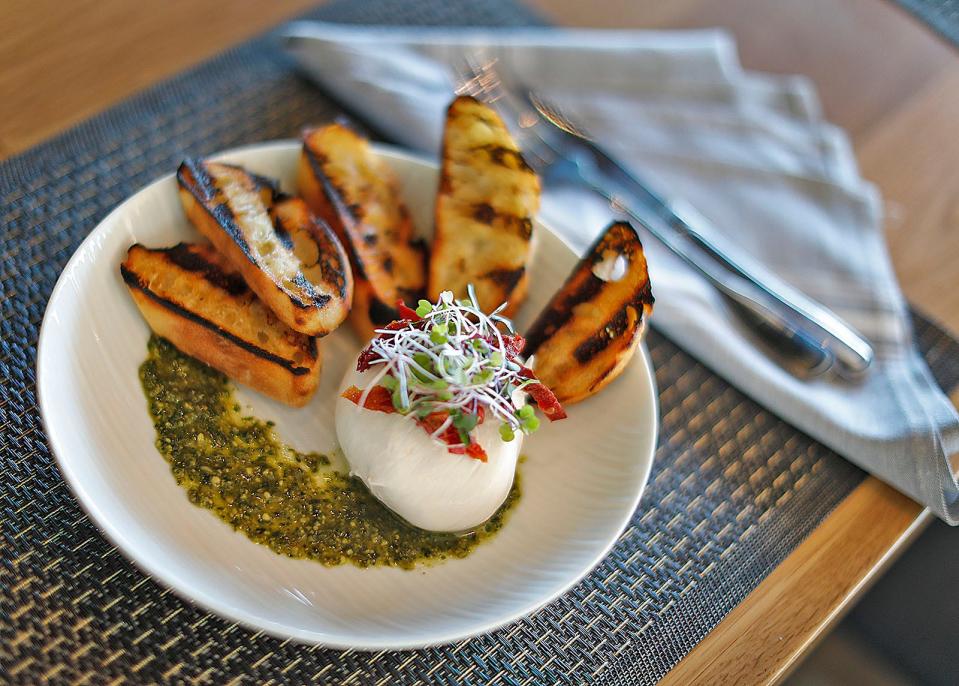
(582, 480)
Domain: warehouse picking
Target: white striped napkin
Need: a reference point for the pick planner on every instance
(751, 152)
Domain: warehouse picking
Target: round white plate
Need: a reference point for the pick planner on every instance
(581, 481)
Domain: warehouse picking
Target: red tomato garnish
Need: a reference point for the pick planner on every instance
(514, 344)
(432, 421)
(396, 324)
(352, 394)
(378, 399)
(407, 312)
(451, 436)
(544, 397)
(475, 450)
(368, 357)
(546, 401)
(365, 360)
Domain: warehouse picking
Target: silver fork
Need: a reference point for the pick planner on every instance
(804, 336)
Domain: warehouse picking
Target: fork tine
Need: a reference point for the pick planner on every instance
(476, 75)
(548, 110)
(464, 80)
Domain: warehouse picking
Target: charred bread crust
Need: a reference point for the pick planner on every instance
(189, 295)
(267, 257)
(591, 327)
(357, 194)
(323, 257)
(485, 204)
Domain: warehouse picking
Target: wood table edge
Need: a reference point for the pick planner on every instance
(767, 635)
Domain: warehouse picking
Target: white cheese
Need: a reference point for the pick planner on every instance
(417, 477)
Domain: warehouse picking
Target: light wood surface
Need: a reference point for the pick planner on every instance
(882, 76)
(61, 62)
(765, 636)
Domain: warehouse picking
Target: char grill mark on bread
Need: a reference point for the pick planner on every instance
(191, 296)
(287, 256)
(590, 329)
(357, 194)
(487, 198)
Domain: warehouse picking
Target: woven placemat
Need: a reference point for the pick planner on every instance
(732, 492)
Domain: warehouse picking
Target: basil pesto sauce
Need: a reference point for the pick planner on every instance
(296, 503)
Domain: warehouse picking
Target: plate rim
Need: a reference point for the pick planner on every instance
(208, 603)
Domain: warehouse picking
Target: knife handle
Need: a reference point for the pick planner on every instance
(800, 348)
(852, 351)
(674, 223)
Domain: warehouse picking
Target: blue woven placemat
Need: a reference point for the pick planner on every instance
(732, 492)
(941, 15)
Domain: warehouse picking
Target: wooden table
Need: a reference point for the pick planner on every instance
(886, 79)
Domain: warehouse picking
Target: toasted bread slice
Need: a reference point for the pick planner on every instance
(296, 266)
(357, 193)
(485, 205)
(323, 258)
(191, 295)
(590, 329)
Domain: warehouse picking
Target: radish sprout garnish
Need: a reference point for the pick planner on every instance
(448, 365)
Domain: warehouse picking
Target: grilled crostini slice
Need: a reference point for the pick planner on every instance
(192, 296)
(591, 327)
(485, 205)
(288, 258)
(322, 257)
(357, 193)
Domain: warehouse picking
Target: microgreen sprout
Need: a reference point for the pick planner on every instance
(455, 360)
(438, 333)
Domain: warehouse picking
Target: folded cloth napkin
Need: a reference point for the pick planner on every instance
(751, 152)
